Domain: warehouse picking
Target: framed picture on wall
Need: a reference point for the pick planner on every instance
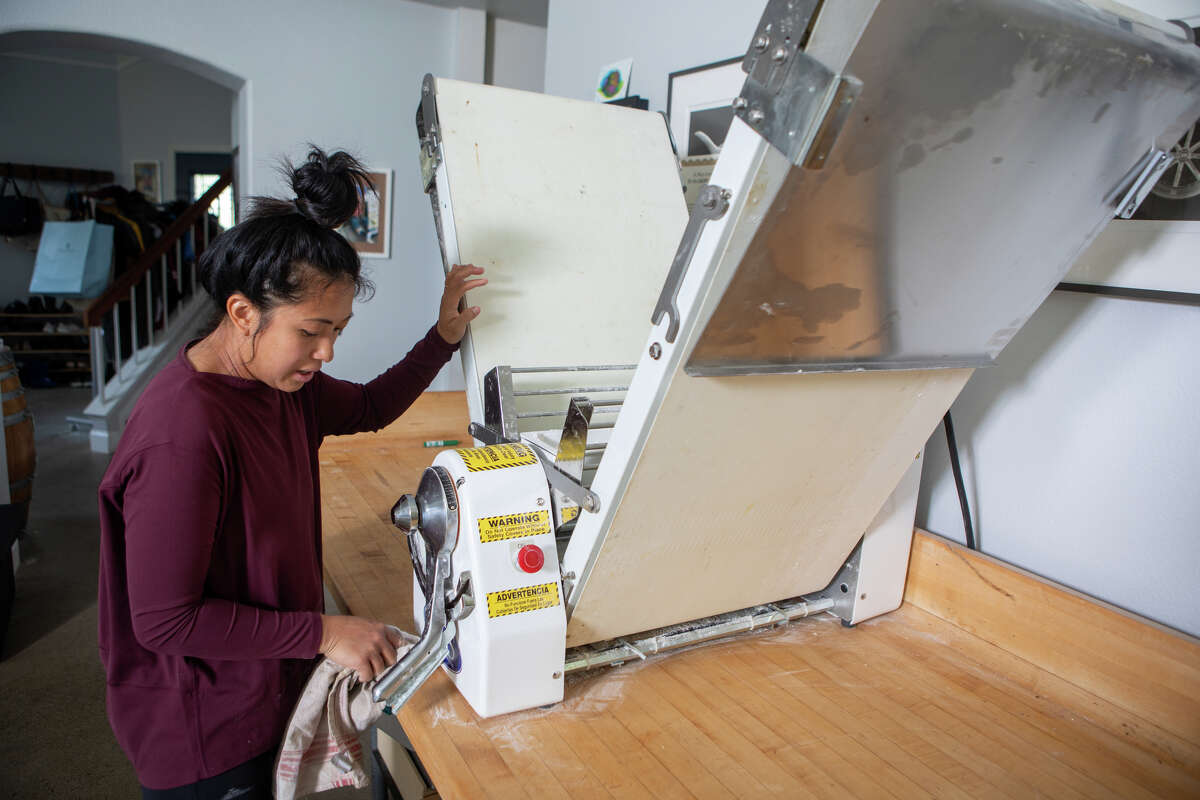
(147, 179)
(699, 105)
(369, 230)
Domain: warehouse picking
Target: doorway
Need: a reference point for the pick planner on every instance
(195, 173)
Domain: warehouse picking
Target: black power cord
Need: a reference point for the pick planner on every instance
(956, 468)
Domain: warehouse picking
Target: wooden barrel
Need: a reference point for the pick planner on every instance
(18, 435)
(10, 384)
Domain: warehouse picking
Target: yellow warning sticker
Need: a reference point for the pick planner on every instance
(528, 598)
(496, 456)
(513, 526)
(569, 513)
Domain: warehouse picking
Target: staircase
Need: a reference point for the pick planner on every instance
(142, 320)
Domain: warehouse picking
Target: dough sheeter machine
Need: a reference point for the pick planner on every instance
(691, 426)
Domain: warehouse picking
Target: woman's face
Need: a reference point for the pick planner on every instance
(298, 339)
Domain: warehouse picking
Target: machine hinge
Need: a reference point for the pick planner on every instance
(1138, 182)
(427, 130)
(792, 100)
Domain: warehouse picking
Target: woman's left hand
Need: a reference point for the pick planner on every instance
(452, 322)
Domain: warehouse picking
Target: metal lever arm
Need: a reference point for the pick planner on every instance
(398, 683)
(415, 674)
(711, 204)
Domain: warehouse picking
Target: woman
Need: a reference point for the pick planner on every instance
(210, 574)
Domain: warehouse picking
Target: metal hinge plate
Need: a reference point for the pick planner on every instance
(794, 101)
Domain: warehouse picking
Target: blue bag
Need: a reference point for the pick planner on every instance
(74, 259)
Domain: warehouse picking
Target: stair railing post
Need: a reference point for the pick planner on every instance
(135, 338)
(165, 296)
(98, 361)
(149, 310)
(116, 312)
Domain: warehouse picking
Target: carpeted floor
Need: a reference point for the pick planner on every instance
(55, 741)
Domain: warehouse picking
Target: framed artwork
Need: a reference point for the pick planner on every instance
(369, 230)
(147, 179)
(699, 105)
(613, 81)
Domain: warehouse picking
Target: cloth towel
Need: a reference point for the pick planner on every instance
(321, 749)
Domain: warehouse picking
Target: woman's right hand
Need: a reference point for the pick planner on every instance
(366, 646)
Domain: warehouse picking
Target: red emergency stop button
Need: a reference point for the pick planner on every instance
(531, 558)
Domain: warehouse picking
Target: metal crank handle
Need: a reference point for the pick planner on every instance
(431, 640)
(408, 684)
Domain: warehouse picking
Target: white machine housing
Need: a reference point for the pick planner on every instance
(510, 647)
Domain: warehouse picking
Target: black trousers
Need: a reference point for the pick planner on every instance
(252, 780)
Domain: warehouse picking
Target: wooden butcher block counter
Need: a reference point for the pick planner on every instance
(987, 682)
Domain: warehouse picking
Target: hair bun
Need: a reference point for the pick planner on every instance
(328, 187)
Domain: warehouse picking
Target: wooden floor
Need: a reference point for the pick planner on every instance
(986, 683)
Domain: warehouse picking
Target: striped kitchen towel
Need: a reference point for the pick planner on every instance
(322, 748)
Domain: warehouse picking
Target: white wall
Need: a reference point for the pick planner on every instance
(71, 105)
(661, 37)
(1082, 448)
(58, 113)
(164, 109)
(1081, 454)
(341, 75)
(517, 53)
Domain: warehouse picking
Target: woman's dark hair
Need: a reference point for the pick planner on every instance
(285, 247)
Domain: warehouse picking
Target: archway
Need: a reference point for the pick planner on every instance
(13, 41)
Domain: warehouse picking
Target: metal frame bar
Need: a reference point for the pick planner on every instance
(568, 390)
(711, 628)
(597, 368)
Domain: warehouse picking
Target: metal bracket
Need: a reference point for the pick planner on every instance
(487, 435)
(463, 602)
(1140, 180)
(558, 480)
(711, 204)
(572, 449)
(564, 483)
(427, 129)
(844, 587)
(499, 405)
(789, 97)
(781, 33)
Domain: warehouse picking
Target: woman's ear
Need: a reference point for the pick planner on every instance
(242, 314)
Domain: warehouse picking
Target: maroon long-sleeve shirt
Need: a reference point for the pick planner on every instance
(210, 557)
